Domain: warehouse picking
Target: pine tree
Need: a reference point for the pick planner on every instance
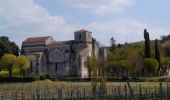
(147, 44)
(113, 44)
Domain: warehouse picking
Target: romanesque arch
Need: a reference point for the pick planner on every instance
(56, 56)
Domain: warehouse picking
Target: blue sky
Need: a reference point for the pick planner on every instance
(122, 19)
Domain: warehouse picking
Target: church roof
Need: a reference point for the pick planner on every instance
(82, 30)
(60, 42)
(36, 39)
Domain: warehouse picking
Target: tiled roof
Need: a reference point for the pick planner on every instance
(60, 42)
(82, 30)
(36, 39)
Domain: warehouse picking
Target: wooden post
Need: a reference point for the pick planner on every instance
(84, 93)
(71, 94)
(22, 95)
(161, 92)
(33, 96)
(155, 94)
(125, 92)
(131, 91)
(77, 94)
(60, 94)
(140, 92)
(97, 93)
(119, 94)
(167, 95)
(149, 92)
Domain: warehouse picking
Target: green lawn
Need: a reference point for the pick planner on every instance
(5, 73)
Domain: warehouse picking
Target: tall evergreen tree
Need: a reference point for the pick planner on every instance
(113, 43)
(147, 44)
(157, 52)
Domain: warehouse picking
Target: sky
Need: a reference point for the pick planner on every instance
(125, 20)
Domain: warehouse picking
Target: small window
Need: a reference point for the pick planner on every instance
(79, 36)
(37, 67)
(89, 36)
(66, 51)
(56, 65)
(37, 64)
(31, 66)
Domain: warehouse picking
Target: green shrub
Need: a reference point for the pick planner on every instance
(19, 79)
(151, 64)
(48, 76)
(42, 77)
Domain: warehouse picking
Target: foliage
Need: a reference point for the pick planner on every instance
(91, 64)
(151, 64)
(135, 62)
(157, 51)
(166, 48)
(6, 46)
(5, 73)
(165, 62)
(147, 44)
(19, 79)
(165, 38)
(113, 43)
(7, 61)
(22, 62)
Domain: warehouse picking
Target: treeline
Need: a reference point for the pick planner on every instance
(142, 59)
(133, 60)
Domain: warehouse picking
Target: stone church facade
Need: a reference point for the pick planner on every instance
(61, 58)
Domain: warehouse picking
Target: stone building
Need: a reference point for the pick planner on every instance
(61, 58)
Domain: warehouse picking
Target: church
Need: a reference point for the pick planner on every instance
(61, 58)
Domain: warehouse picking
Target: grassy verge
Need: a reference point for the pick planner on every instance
(5, 73)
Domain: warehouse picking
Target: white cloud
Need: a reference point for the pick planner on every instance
(25, 17)
(101, 7)
(20, 19)
(122, 30)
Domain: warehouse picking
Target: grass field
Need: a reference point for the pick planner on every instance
(49, 88)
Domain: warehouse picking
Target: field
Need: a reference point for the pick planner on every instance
(82, 90)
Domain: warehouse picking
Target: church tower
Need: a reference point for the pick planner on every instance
(83, 36)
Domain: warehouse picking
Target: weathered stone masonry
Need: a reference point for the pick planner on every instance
(61, 58)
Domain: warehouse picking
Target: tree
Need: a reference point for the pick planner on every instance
(135, 63)
(7, 61)
(166, 48)
(165, 64)
(22, 62)
(6, 46)
(147, 44)
(91, 63)
(157, 53)
(165, 38)
(113, 43)
(165, 61)
(151, 65)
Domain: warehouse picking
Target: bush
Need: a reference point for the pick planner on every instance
(151, 64)
(48, 76)
(19, 79)
(42, 77)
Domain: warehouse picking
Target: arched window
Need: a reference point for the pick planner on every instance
(31, 66)
(79, 36)
(56, 66)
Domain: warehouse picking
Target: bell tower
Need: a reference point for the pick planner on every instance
(83, 36)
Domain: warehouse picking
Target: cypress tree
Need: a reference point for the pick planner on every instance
(113, 44)
(147, 44)
(157, 52)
